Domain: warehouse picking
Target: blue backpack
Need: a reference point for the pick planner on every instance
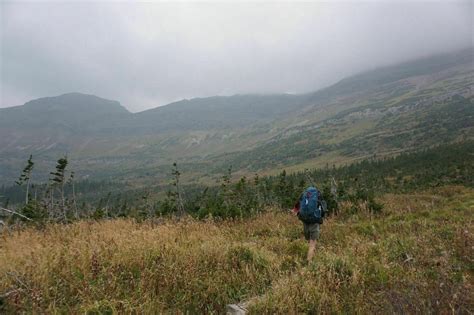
(311, 208)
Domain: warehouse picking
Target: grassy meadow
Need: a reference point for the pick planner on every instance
(417, 256)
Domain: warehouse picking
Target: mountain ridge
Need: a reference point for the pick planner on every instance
(465, 55)
(357, 116)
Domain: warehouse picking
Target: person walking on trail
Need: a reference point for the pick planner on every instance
(310, 209)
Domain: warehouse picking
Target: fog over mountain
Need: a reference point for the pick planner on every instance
(150, 54)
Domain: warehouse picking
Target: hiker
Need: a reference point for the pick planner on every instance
(310, 209)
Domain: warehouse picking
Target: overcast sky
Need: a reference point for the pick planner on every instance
(149, 54)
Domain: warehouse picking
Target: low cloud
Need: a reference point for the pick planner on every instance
(149, 54)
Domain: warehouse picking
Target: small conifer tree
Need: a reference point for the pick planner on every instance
(25, 177)
(178, 193)
(58, 180)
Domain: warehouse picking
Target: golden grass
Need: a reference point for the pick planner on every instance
(415, 257)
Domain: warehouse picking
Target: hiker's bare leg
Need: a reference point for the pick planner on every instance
(312, 247)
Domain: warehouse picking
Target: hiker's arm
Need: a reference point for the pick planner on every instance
(324, 208)
(296, 208)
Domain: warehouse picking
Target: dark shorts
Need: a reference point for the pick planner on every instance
(311, 231)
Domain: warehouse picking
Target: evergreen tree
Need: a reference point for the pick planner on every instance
(58, 181)
(178, 193)
(25, 177)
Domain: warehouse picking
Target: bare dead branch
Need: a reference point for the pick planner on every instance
(14, 212)
(7, 294)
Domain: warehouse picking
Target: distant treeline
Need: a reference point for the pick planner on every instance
(358, 183)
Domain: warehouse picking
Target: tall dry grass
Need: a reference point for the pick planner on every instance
(417, 256)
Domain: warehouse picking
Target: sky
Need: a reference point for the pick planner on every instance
(149, 54)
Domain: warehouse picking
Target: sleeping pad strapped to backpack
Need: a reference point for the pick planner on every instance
(311, 206)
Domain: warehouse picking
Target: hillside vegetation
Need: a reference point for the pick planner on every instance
(415, 257)
(400, 108)
(234, 196)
